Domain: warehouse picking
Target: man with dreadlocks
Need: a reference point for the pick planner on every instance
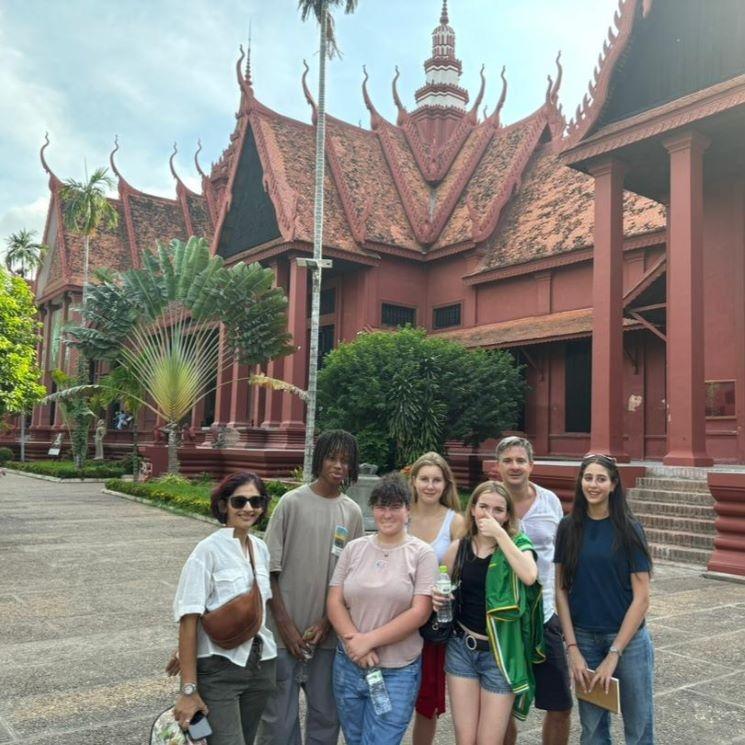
(306, 534)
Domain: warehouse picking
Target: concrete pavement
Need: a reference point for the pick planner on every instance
(86, 584)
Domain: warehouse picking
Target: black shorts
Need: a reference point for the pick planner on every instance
(552, 688)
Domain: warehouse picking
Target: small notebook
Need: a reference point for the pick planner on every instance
(610, 701)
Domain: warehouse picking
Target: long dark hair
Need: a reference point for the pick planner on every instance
(627, 535)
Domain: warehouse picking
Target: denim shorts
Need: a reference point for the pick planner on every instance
(462, 662)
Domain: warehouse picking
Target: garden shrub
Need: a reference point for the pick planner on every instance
(403, 393)
(188, 496)
(6, 454)
(62, 469)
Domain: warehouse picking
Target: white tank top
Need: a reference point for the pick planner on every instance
(443, 540)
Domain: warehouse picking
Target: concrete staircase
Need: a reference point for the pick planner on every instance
(676, 511)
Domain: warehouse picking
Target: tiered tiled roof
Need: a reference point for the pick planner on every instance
(417, 188)
(552, 213)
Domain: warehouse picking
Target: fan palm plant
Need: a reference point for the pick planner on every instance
(327, 48)
(23, 253)
(160, 323)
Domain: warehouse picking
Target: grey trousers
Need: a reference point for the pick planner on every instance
(235, 695)
(280, 722)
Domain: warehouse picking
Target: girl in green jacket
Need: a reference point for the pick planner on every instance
(481, 698)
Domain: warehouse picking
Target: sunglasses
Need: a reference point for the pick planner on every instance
(602, 456)
(238, 503)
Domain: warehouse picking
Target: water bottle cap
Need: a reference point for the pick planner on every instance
(443, 569)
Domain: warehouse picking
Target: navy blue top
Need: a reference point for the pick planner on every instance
(601, 590)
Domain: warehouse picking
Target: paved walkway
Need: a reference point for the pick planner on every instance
(86, 582)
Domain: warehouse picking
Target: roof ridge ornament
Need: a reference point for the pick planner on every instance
(403, 115)
(43, 159)
(375, 118)
(196, 159)
(247, 74)
(308, 94)
(473, 114)
(112, 162)
(444, 19)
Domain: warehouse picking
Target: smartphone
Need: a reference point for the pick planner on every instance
(199, 727)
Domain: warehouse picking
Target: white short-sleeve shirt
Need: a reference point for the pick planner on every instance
(540, 524)
(217, 571)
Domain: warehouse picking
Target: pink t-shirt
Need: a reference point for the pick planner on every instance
(379, 583)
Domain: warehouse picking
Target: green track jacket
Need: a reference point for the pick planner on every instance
(514, 623)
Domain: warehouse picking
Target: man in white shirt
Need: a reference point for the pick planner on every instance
(540, 512)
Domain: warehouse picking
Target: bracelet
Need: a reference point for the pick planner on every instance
(573, 644)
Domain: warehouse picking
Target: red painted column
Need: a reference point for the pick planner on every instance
(275, 368)
(607, 313)
(686, 424)
(224, 378)
(296, 365)
(239, 396)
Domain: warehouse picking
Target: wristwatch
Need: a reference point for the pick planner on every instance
(189, 689)
(616, 650)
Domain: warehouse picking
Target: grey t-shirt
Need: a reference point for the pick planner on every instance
(305, 537)
(540, 524)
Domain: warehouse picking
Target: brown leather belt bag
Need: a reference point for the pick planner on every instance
(239, 619)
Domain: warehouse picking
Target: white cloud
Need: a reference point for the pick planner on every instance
(30, 216)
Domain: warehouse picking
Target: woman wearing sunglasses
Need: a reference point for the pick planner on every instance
(602, 595)
(230, 686)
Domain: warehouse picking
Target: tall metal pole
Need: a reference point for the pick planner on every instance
(317, 263)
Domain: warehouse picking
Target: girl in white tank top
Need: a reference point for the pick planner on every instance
(435, 518)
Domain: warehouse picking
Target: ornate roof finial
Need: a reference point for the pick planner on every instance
(248, 58)
(308, 94)
(112, 163)
(444, 14)
(239, 61)
(196, 160)
(44, 163)
(559, 75)
(375, 117)
(503, 95)
(474, 113)
(170, 163)
(402, 113)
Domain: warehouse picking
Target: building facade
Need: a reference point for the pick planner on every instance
(607, 254)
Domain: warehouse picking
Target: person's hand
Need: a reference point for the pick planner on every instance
(294, 642)
(490, 527)
(186, 707)
(604, 671)
(439, 599)
(578, 666)
(369, 660)
(317, 632)
(173, 666)
(357, 645)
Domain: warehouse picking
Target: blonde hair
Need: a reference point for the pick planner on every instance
(512, 526)
(449, 497)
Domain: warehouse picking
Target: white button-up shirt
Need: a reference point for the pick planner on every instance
(217, 571)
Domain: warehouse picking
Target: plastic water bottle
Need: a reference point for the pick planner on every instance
(302, 674)
(378, 692)
(445, 612)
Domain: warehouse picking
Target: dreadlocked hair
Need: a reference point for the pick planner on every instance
(335, 442)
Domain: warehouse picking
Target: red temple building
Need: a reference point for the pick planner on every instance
(607, 253)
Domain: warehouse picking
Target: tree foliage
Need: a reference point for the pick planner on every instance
(19, 375)
(23, 254)
(161, 324)
(404, 393)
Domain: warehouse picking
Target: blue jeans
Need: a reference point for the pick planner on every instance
(359, 722)
(635, 672)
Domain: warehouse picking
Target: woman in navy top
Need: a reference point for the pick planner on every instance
(602, 595)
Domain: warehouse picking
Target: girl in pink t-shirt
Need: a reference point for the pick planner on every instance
(379, 596)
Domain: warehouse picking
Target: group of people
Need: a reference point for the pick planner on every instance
(538, 600)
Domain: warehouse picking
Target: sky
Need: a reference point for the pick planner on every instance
(155, 72)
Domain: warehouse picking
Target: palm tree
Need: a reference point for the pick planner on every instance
(327, 48)
(159, 323)
(87, 210)
(23, 252)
